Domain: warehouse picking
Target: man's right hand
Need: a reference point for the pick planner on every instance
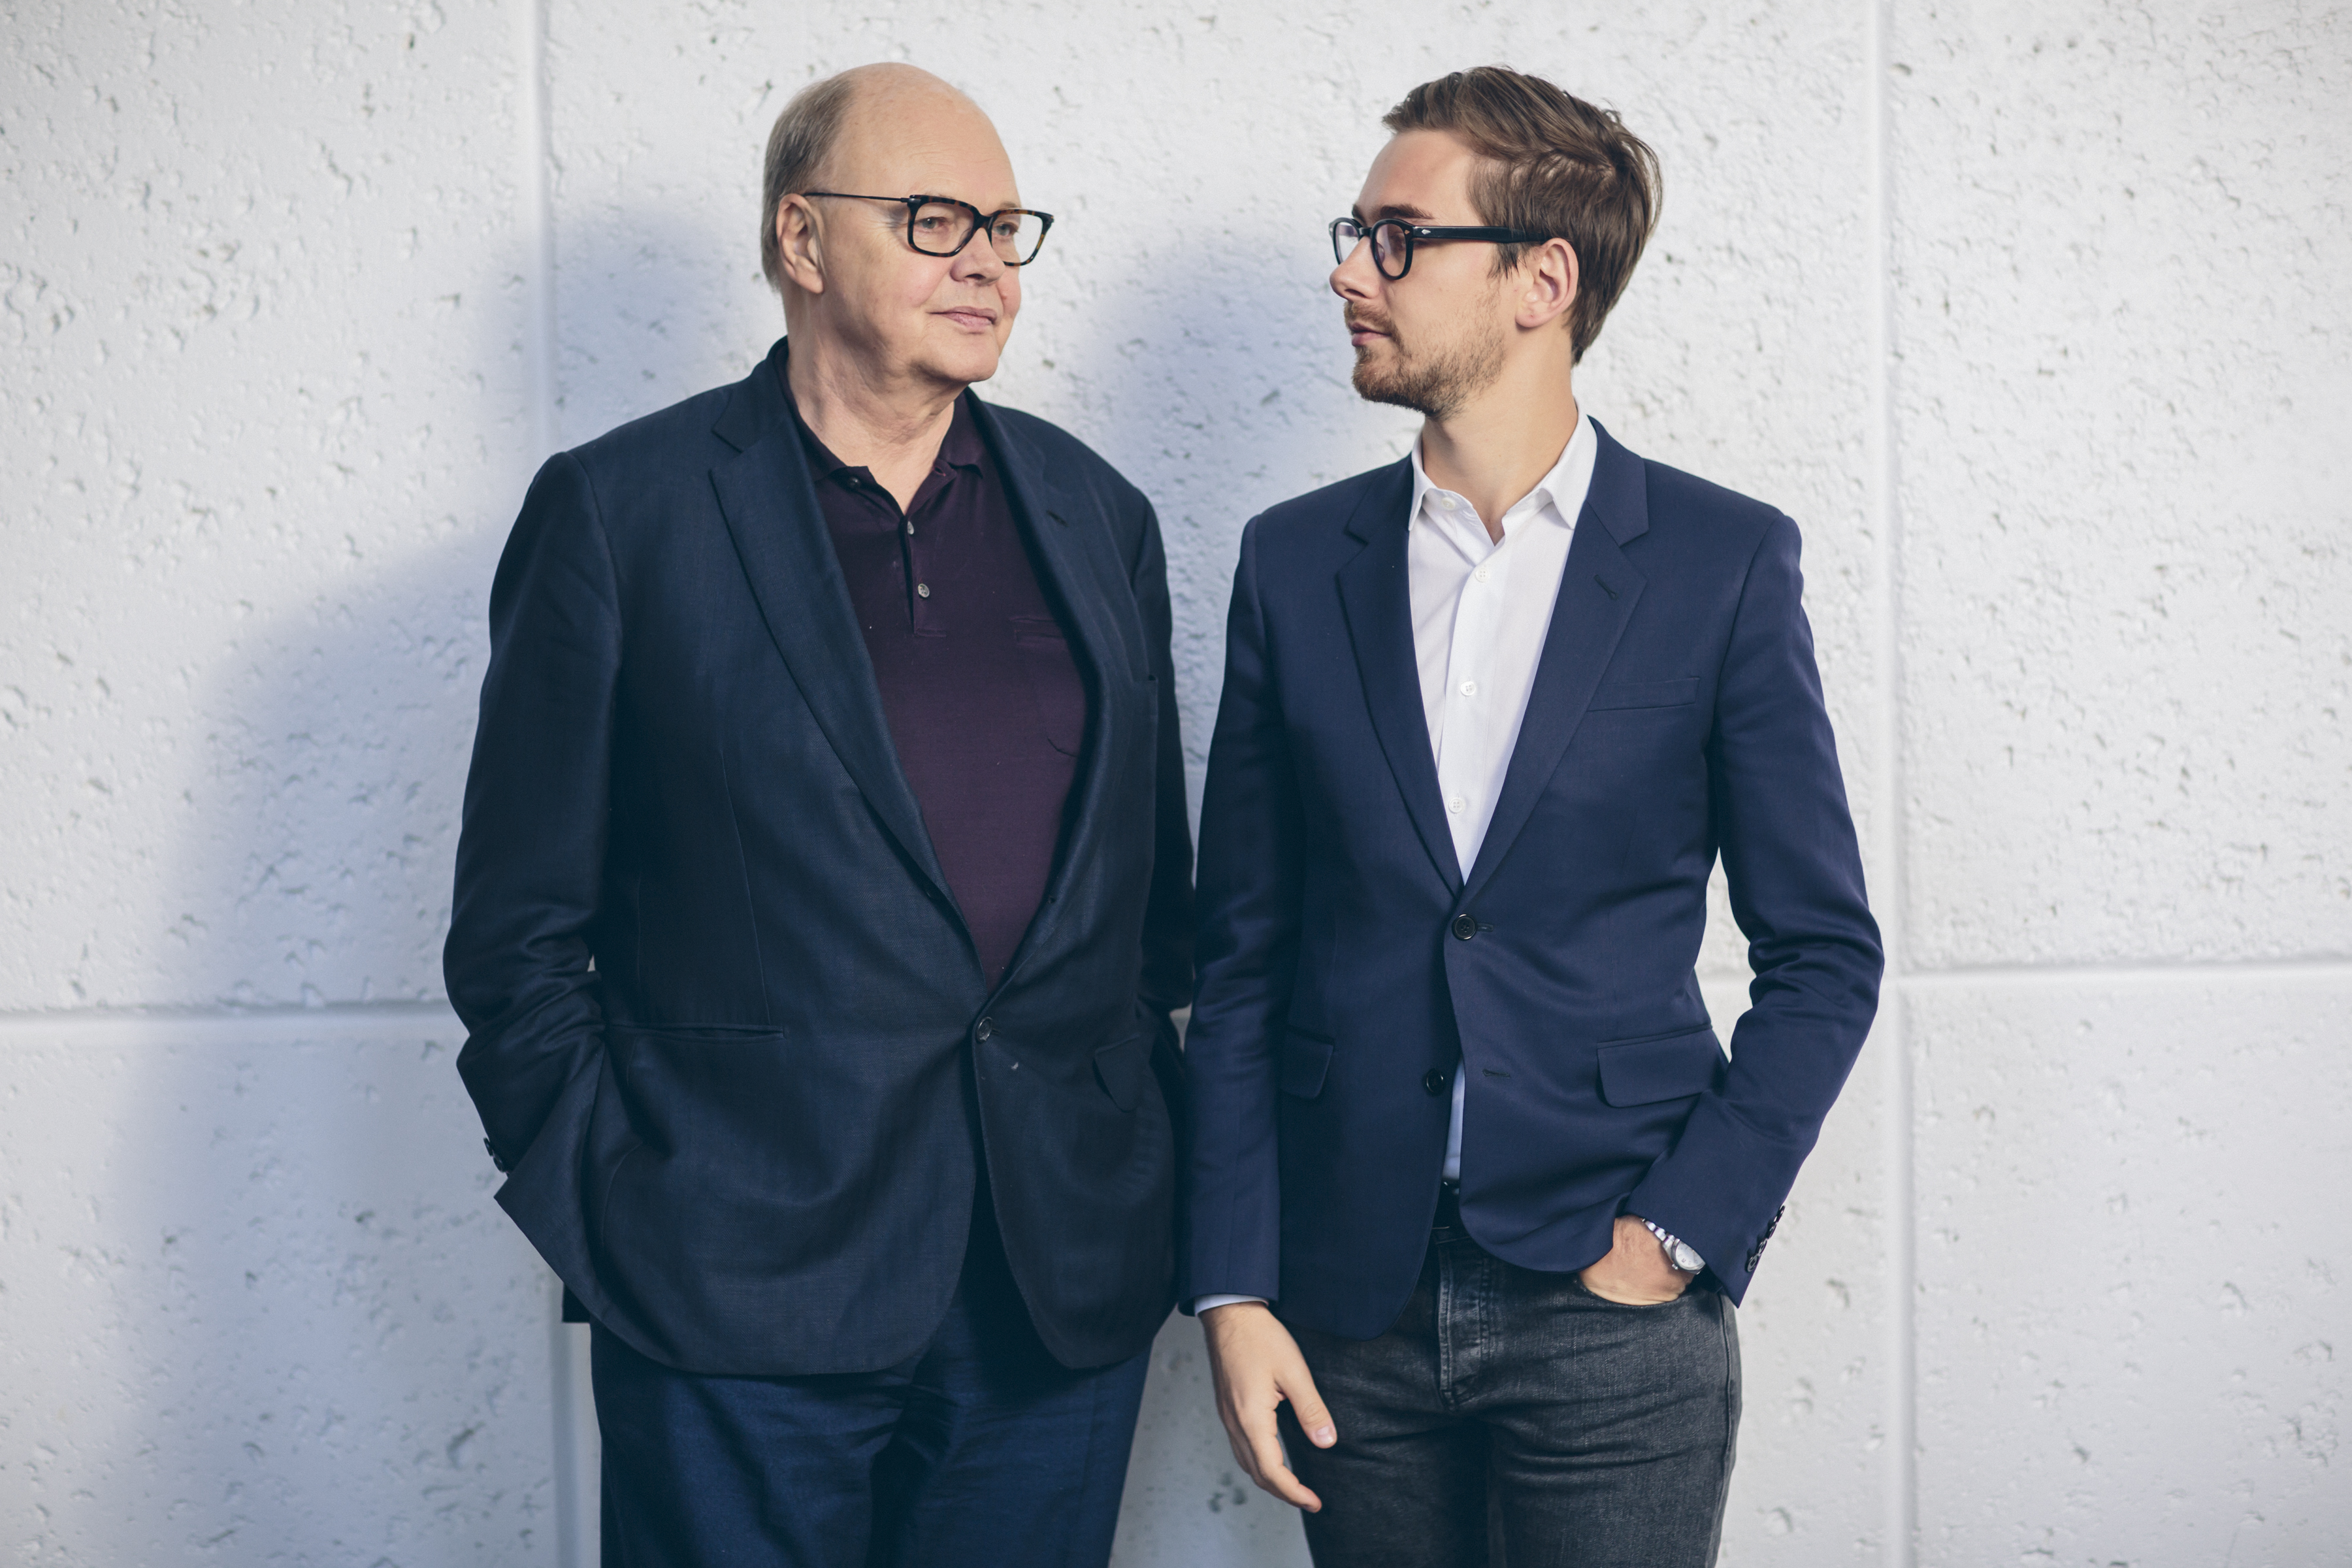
(1257, 1365)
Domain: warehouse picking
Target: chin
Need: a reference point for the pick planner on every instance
(967, 361)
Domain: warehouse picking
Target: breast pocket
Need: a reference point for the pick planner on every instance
(1305, 1061)
(1622, 694)
(1053, 681)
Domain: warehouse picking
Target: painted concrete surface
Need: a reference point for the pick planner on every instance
(259, 1307)
(2030, 315)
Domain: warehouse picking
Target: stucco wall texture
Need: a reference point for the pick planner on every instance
(2035, 316)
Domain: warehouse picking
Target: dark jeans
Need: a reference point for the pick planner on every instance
(981, 1450)
(1515, 1418)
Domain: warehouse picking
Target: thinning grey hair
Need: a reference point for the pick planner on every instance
(798, 145)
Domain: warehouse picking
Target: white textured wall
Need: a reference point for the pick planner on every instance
(2035, 316)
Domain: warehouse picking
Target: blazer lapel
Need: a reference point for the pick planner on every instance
(770, 507)
(1598, 591)
(1376, 593)
(1063, 535)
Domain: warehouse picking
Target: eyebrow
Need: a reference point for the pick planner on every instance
(1394, 209)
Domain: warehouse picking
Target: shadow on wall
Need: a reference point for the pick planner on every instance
(349, 1354)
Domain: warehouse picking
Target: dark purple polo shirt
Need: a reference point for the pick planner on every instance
(985, 703)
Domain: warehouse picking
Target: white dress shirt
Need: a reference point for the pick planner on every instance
(1480, 610)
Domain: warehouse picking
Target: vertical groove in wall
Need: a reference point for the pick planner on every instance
(536, 153)
(1900, 1515)
(576, 1542)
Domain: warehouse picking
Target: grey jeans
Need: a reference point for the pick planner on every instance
(1514, 1419)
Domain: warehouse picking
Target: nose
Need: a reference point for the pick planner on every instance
(1356, 278)
(978, 260)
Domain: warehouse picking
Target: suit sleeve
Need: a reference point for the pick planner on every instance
(531, 851)
(1249, 895)
(1795, 876)
(1167, 983)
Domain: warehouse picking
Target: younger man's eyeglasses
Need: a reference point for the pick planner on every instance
(942, 225)
(1393, 240)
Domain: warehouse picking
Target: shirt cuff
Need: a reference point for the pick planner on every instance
(1203, 1303)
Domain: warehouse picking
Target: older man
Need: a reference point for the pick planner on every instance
(823, 895)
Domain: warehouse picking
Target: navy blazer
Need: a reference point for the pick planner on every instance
(728, 1032)
(1346, 965)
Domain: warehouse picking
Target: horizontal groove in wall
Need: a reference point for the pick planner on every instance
(2192, 972)
(105, 1027)
(102, 1026)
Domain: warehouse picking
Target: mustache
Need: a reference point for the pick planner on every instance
(1359, 319)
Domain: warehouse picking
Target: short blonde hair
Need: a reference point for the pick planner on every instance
(798, 145)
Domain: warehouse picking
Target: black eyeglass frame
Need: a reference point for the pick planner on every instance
(1410, 232)
(915, 205)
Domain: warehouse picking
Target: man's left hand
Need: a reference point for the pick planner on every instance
(1635, 1272)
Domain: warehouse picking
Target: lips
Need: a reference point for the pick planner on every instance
(969, 316)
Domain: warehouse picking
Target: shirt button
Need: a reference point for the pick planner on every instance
(1464, 927)
(1469, 689)
(1480, 573)
(1456, 805)
(1432, 1083)
(923, 590)
(982, 1030)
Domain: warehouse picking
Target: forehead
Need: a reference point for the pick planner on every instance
(1421, 174)
(897, 143)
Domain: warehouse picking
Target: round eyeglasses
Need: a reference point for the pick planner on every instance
(942, 225)
(1394, 238)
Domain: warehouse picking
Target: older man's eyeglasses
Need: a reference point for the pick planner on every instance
(1393, 239)
(941, 226)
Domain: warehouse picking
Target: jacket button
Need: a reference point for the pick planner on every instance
(1434, 1082)
(982, 1030)
(1464, 927)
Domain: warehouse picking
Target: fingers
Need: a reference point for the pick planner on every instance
(1257, 1366)
(1306, 1406)
(1270, 1471)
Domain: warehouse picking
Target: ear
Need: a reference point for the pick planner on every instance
(800, 250)
(1547, 277)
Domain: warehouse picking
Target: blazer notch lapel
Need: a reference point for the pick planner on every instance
(1072, 567)
(770, 509)
(1376, 594)
(1599, 588)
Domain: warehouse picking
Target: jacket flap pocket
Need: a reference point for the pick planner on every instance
(1120, 1067)
(1646, 693)
(1642, 1073)
(1306, 1059)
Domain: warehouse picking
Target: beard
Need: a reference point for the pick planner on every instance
(1434, 384)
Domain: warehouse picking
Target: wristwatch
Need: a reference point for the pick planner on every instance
(1679, 1253)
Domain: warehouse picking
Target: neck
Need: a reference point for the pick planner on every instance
(889, 424)
(1495, 449)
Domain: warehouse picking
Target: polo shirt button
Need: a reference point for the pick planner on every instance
(1464, 927)
(923, 590)
(1434, 1083)
(982, 1030)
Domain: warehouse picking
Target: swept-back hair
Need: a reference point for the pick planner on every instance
(1549, 164)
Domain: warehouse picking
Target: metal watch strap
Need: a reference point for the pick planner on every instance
(1679, 1253)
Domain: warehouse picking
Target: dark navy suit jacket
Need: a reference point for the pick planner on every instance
(1346, 965)
(728, 1032)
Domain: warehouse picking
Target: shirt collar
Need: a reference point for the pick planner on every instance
(1562, 491)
